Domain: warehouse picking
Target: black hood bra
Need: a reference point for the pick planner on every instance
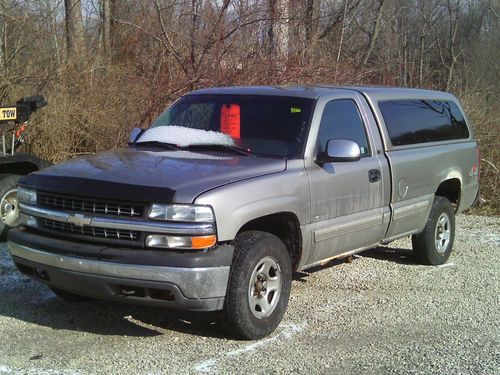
(143, 175)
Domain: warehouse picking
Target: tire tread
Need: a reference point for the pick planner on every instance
(245, 247)
(423, 243)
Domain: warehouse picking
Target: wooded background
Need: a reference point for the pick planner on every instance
(106, 66)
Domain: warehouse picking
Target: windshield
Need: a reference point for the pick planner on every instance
(263, 125)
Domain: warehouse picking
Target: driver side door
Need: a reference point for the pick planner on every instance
(347, 198)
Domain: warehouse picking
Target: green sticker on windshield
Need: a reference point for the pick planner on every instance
(295, 110)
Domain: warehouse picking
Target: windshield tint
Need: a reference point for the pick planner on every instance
(266, 125)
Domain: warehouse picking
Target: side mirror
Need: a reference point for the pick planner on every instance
(134, 134)
(339, 150)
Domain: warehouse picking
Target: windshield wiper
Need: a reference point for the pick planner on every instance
(210, 146)
(169, 146)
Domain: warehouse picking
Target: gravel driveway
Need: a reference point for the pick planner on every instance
(380, 314)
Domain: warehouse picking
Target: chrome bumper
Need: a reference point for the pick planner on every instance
(195, 283)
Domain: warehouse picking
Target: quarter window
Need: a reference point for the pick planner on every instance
(341, 120)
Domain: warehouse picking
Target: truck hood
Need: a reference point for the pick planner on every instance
(150, 175)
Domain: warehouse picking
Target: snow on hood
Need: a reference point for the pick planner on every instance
(182, 136)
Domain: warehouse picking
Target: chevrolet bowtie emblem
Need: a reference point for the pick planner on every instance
(79, 220)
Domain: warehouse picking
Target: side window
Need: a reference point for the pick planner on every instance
(341, 120)
(421, 121)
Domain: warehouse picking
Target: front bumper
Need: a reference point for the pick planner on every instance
(188, 284)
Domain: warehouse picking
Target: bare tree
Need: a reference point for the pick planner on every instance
(75, 36)
(374, 32)
(279, 28)
(107, 6)
(311, 6)
(453, 11)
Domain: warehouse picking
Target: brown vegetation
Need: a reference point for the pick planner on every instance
(108, 65)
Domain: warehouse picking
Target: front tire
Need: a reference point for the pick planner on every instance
(259, 285)
(434, 244)
(9, 206)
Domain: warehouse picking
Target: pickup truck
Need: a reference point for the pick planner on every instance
(231, 190)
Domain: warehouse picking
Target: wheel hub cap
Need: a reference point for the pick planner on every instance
(264, 288)
(443, 233)
(9, 208)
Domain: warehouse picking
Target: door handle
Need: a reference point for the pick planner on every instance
(374, 175)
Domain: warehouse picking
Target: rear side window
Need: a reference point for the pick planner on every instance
(341, 120)
(421, 121)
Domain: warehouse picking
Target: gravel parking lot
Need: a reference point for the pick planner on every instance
(380, 314)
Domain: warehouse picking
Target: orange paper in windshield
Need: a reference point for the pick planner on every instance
(230, 120)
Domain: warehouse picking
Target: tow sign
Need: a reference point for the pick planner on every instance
(8, 113)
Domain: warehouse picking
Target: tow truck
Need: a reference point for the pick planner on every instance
(14, 120)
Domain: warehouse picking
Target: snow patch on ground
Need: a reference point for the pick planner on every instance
(181, 136)
(37, 371)
(446, 265)
(9, 275)
(288, 330)
(485, 238)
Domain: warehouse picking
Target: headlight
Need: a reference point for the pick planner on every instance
(25, 195)
(195, 243)
(181, 212)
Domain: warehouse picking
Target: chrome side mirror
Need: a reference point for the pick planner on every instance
(134, 134)
(339, 150)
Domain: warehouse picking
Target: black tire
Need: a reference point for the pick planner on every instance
(254, 250)
(8, 183)
(434, 244)
(68, 296)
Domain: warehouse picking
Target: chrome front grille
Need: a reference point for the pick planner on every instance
(78, 204)
(117, 234)
(110, 222)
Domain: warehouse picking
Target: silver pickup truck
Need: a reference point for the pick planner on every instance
(231, 190)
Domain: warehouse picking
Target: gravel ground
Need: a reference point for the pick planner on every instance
(381, 314)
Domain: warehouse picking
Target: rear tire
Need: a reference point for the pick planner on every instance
(68, 296)
(434, 244)
(9, 206)
(259, 285)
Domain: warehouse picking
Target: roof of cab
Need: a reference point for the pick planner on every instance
(314, 92)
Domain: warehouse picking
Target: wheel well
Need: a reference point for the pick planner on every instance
(450, 189)
(285, 226)
(20, 168)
